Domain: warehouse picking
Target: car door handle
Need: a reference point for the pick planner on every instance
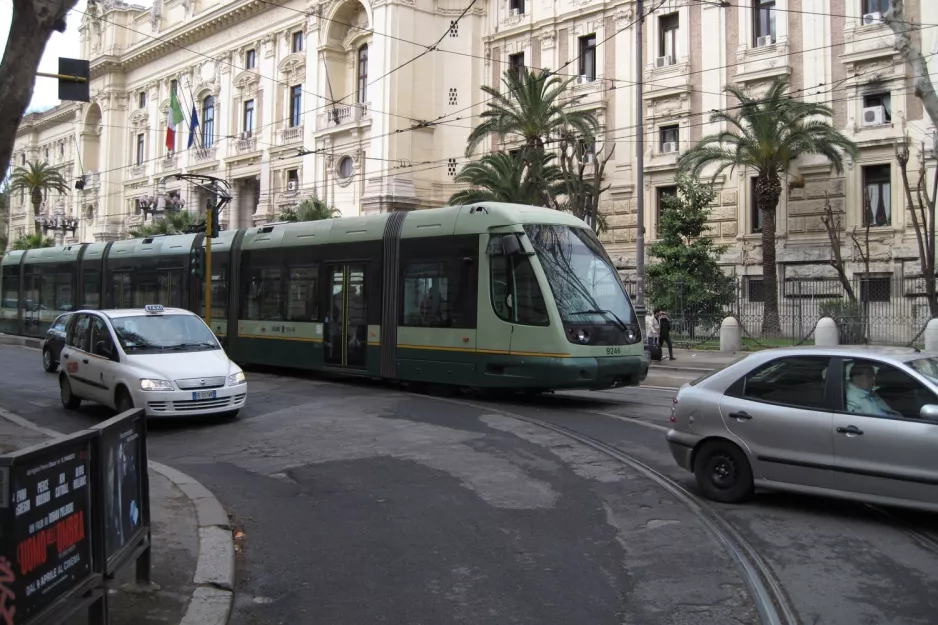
(65, 356)
(850, 430)
(742, 416)
(84, 360)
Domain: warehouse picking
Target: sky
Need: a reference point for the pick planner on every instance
(45, 95)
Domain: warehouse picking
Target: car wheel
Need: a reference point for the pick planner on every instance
(48, 361)
(723, 472)
(65, 392)
(124, 401)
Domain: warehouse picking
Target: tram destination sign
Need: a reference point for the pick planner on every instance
(45, 526)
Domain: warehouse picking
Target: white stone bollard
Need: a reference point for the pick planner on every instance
(931, 336)
(731, 335)
(826, 333)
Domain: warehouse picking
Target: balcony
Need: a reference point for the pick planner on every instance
(168, 162)
(137, 171)
(342, 115)
(203, 155)
(291, 135)
(247, 144)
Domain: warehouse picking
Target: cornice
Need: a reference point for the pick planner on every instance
(225, 16)
(40, 121)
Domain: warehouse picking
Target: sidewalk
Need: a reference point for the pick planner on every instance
(177, 540)
(689, 365)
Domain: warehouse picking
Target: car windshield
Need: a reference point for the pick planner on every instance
(585, 284)
(926, 366)
(180, 333)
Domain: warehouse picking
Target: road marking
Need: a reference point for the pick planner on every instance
(654, 426)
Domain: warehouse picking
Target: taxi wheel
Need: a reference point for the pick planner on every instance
(124, 401)
(723, 472)
(65, 391)
(48, 361)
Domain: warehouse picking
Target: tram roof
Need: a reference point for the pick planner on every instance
(449, 220)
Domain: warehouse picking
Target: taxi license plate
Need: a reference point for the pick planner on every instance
(197, 395)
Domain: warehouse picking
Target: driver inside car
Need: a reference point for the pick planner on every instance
(861, 396)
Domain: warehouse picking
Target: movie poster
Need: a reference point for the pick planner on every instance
(122, 485)
(50, 551)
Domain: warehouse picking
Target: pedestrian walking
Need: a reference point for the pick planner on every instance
(664, 330)
(653, 330)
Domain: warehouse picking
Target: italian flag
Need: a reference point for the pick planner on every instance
(174, 117)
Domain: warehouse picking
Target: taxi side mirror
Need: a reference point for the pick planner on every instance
(929, 412)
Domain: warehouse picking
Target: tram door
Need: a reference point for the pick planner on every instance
(345, 335)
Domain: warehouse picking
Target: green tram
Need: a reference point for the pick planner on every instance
(487, 295)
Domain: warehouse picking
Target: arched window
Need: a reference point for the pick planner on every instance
(208, 122)
(363, 74)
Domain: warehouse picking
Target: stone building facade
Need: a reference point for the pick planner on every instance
(325, 98)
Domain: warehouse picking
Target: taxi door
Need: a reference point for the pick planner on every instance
(76, 356)
(101, 367)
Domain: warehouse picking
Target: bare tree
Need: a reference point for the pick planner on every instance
(833, 225)
(922, 209)
(32, 25)
(582, 189)
(924, 89)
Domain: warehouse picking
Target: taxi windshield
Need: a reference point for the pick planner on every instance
(179, 333)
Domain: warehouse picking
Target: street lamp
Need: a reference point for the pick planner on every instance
(58, 223)
(163, 202)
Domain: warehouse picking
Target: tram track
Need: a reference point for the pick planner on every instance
(769, 598)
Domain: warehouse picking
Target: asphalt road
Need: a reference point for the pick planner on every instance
(361, 503)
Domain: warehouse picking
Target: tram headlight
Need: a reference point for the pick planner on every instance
(581, 335)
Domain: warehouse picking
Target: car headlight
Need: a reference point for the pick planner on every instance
(156, 385)
(237, 378)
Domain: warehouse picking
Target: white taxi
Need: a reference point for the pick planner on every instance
(165, 360)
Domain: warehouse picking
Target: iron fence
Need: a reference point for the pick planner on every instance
(887, 311)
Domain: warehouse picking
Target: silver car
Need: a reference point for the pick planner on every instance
(852, 422)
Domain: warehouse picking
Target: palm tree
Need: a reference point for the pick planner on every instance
(37, 179)
(310, 210)
(32, 242)
(534, 107)
(766, 134)
(501, 177)
(173, 222)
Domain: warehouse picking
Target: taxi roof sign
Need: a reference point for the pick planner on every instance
(153, 309)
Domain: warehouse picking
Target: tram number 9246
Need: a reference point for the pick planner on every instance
(613, 351)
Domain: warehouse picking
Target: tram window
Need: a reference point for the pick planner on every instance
(516, 294)
(92, 289)
(219, 288)
(264, 301)
(121, 291)
(427, 296)
(10, 291)
(145, 288)
(303, 294)
(170, 283)
(64, 294)
(32, 285)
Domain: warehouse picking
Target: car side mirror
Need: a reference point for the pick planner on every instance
(929, 412)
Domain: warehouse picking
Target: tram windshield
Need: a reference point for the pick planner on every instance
(585, 284)
(179, 333)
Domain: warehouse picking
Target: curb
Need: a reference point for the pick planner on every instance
(682, 369)
(20, 341)
(212, 600)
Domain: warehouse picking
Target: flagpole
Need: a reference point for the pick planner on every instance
(200, 137)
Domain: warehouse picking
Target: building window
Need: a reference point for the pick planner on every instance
(345, 168)
(516, 64)
(140, 149)
(755, 215)
(297, 41)
(296, 105)
(755, 290)
(363, 74)
(516, 6)
(174, 86)
(23, 158)
(249, 116)
(586, 150)
(293, 180)
(875, 288)
(877, 204)
(667, 37)
(250, 59)
(208, 122)
(62, 149)
(670, 135)
(763, 12)
(875, 6)
(142, 100)
(663, 194)
(878, 99)
(47, 154)
(588, 57)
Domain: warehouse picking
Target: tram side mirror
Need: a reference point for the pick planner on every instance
(512, 245)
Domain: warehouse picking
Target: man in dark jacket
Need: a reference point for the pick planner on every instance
(665, 332)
